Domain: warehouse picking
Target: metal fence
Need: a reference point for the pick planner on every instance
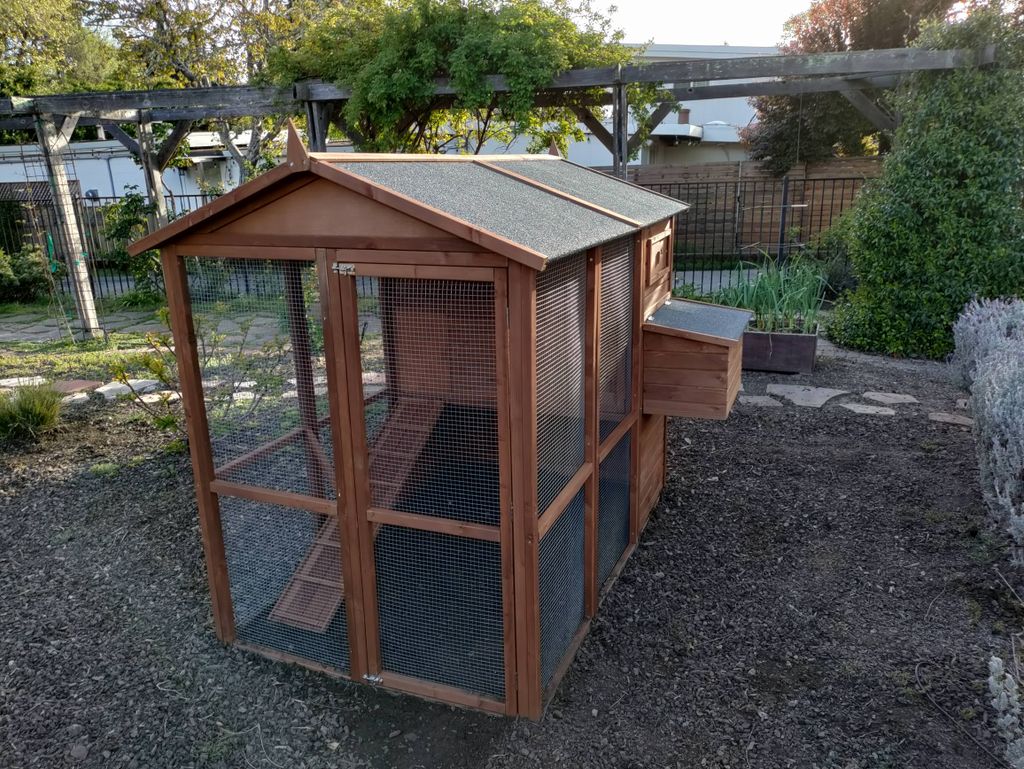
(733, 223)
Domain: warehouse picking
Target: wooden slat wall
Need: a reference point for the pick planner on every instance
(651, 463)
(685, 378)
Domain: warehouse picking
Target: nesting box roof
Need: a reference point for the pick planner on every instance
(530, 208)
(700, 319)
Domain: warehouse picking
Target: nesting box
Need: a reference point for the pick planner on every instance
(412, 387)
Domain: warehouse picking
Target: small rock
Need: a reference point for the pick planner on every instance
(951, 419)
(863, 408)
(963, 403)
(394, 733)
(79, 752)
(75, 729)
(77, 399)
(890, 399)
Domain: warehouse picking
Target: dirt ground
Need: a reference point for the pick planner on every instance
(815, 589)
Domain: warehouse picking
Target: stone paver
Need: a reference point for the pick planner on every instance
(112, 390)
(759, 400)
(951, 419)
(804, 395)
(890, 399)
(75, 399)
(69, 386)
(163, 396)
(22, 381)
(864, 408)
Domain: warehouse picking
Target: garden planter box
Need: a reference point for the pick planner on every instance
(779, 352)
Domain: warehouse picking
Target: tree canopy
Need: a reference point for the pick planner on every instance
(390, 54)
(811, 127)
(944, 222)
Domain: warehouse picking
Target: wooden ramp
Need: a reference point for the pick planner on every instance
(311, 598)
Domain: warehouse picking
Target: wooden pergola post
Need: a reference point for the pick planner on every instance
(52, 142)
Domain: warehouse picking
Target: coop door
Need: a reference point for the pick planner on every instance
(430, 456)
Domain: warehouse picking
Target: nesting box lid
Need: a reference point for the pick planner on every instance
(700, 320)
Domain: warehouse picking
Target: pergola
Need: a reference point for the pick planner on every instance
(857, 75)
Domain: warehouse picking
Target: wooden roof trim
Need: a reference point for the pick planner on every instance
(695, 336)
(497, 168)
(426, 213)
(221, 204)
(392, 157)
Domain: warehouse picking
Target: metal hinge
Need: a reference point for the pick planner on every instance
(373, 678)
(344, 268)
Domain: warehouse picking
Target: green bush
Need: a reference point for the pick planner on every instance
(829, 252)
(24, 275)
(944, 222)
(28, 412)
(124, 222)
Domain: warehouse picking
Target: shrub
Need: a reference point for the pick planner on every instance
(981, 328)
(28, 412)
(24, 275)
(124, 222)
(944, 222)
(829, 251)
(1006, 702)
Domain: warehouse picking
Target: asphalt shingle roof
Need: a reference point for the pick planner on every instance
(701, 318)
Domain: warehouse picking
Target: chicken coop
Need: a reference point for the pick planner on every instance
(414, 390)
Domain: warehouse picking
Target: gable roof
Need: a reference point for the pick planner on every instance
(529, 208)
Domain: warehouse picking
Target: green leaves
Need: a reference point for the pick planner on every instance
(944, 222)
(392, 55)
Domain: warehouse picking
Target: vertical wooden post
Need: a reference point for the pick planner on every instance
(152, 172)
(302, 351)
(620, 130)
(339, 393)
(592, 429)
(522, 321)
(639, 277)
(53, 142)
(190, 376)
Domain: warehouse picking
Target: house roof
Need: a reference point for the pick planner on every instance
(530, 208)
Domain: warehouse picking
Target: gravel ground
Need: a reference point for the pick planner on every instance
(816, 589)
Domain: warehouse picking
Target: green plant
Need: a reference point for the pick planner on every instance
(829, 251)
(783, 297)
(27, 412)
(24, 275)
(944, 222)
(125, 221)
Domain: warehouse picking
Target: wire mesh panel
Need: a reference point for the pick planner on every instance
(430, 391)
(615, 334)
(286, 580)
(561, 312)
(561, 586)
(440, 604)
(613, 507)
(260, 345)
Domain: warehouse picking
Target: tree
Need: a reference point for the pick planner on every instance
(944, 222)
(791, 129)
(391, 53)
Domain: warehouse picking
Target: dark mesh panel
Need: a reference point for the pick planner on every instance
(284, 567)
(613, 508)
(615, 361)
(561, 311)
(561, 586)
(430, 392)
(439, 599)
(260, 345)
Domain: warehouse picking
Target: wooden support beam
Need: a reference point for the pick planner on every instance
(151, 173)
(126, 141)
(788, 87)
(171, 142)
(596, 127)
(879, 118)
(660, 113)
(620, 130)
(53, 141)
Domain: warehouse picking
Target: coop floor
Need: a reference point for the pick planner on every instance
(813, 587)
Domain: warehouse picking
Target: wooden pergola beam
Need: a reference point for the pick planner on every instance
(869, 108)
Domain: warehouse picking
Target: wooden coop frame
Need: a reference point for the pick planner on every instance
(470, 316)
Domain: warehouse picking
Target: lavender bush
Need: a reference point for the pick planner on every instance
(982, 327)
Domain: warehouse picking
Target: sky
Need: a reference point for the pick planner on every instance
(707, 22)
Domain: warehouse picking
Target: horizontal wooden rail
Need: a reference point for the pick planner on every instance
(560, 503)
(274, 497)
(380, 515)
(615, 436)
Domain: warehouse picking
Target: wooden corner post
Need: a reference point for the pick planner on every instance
(190, 376)
(522, 322)
(592, 428)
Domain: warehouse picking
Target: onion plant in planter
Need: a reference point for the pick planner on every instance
(786, 300)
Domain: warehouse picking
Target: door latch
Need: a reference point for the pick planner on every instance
(344, 268)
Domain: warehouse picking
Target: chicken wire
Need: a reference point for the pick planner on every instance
(615, 335)
(561, 317)
(427, 349)
(260, 347)
(613, 507)
(440, 604)
(561, 586)
(284, 570)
